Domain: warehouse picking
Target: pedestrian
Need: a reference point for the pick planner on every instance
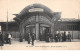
(29, 37)
(69, 36)
(56, 37)
(6, 38)
(33, 38)
(59, 37)
(51, 37)
(9, 38)
(40, 36)
(47, 37)
(1, 39)
(64, 36)
(21, 38)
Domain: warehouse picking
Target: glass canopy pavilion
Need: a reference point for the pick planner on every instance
(40, 20)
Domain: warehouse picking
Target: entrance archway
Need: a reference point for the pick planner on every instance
(36, 24)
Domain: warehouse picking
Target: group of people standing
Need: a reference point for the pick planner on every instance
(58, 37)
(48, 37)
(8, 37)
(62, 37)
(31, 38)
(5, 39)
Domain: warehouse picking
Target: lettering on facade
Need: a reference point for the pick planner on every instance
(36, 10)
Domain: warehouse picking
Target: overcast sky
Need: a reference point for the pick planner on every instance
(69, 8)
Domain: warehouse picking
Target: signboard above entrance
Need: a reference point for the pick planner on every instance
(36, 10)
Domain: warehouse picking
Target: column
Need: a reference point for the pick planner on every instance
(0, 29)
(72, 35)
(37, 28)
(37, 31)
(52, 29)
(79, 34)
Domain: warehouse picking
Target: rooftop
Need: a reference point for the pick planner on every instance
(69, 19)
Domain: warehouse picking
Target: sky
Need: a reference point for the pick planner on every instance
(68, 8)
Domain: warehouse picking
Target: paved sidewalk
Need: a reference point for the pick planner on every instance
(16, 45)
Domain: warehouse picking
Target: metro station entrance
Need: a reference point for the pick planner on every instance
(37, 19)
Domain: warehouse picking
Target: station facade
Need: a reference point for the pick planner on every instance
(40, 20)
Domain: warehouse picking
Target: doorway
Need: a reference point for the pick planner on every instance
(43, 33)
(30, 30)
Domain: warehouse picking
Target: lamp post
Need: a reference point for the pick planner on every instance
(7, 23)
(78, 27)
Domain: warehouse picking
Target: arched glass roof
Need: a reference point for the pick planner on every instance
(26, 9)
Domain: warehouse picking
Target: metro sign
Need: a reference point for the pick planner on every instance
(36, 10)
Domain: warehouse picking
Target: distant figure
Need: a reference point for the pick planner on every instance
(40, 36)
(59, 37)
(1, 39)
(47, 37)
(63, 36)
(29, 37)
(20, 38)
(33, 38)
(51, 37)
(9, 38)
(6, 37)
(69, 36)
(56, 37)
